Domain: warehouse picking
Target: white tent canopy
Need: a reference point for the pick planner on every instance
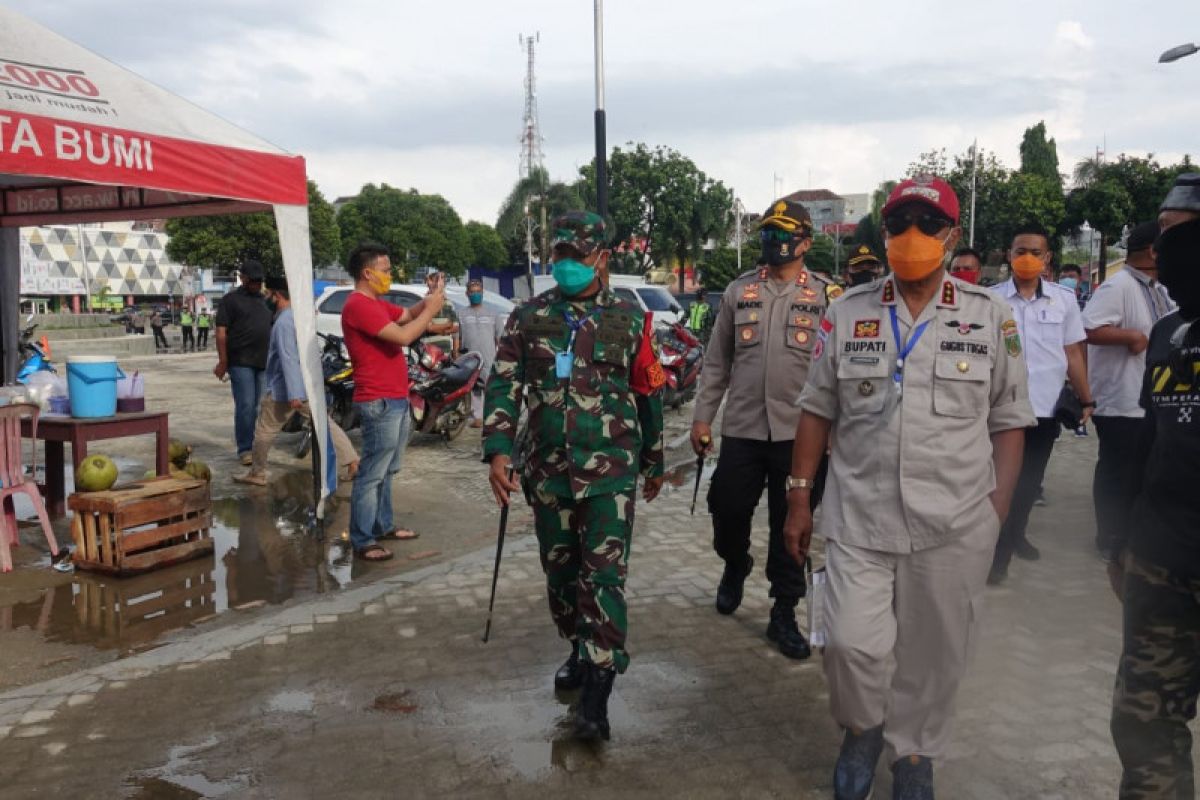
(85, 140)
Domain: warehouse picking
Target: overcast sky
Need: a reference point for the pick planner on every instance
(836, 95)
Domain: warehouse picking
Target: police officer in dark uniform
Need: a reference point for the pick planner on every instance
(757, 361)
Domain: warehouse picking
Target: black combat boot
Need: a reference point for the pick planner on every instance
(783, 630)
(570, 675)
(733, 580)
(591, 716)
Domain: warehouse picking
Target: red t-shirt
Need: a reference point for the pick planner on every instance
(380, 368)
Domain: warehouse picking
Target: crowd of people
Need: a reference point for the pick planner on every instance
(908, 421)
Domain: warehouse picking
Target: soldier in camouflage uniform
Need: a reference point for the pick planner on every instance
(586, 364)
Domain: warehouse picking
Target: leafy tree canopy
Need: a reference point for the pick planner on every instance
(420, 230)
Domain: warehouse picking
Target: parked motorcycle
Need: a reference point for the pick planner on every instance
(682, 357)
(439, 397)
(338, 374)
(35, 356)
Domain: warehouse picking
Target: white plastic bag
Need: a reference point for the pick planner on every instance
(131, 387)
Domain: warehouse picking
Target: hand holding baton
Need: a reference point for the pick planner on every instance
(706, 441)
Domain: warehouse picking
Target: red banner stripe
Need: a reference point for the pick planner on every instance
(73, 151)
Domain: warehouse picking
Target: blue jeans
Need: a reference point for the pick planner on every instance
(385, 427)
(248, 385)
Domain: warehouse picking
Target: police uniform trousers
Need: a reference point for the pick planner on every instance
(900, 630)
(584, 549)
(1158, 680)
(743, 468)
(1039, 445)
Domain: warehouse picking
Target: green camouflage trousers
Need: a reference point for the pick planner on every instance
(584, 546)
(1157, 683)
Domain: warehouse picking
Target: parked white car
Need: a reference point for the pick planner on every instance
(333, 300)
(648, 296)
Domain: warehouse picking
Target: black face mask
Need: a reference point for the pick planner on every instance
(1178, 256)
(860, 277)
(776, 254)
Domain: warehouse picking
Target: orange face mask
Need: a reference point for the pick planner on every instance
(914, 255)
(1027, 267)
(380, 281)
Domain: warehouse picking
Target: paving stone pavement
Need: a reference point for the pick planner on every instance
(386, 690)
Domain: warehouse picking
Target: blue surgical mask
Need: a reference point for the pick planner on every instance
(572, 276)
(1070, 283)
(475, 298)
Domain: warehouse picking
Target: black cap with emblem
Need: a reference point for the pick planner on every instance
(787, 215)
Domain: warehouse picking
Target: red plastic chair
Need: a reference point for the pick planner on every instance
(13, 480)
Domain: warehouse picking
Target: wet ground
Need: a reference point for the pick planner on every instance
(383, 689)
(268, 549)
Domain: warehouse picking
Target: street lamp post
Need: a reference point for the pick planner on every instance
(1176, 53)
(601, 147)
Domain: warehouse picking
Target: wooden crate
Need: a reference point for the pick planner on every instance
(141, 526)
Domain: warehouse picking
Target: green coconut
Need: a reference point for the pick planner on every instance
(198, 470)
(95, 474)
(179, 452)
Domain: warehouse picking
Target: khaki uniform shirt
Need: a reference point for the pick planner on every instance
(760, 351)
(911, 461)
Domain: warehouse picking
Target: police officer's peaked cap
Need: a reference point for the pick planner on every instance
(1184, 195)
(584, 231)
(863, 255)
(787, 215)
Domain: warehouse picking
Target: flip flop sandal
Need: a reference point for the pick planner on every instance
(371, 553)
(395, 535)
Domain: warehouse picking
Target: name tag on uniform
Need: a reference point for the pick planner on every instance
(563, 362)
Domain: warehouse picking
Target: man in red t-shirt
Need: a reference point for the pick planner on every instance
(376, 333)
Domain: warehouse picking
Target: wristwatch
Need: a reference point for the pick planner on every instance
(1088, 404)
(799, 483)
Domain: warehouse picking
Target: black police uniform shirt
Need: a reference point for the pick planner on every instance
(1166, 527)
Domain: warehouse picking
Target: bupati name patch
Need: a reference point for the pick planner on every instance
(970, 348)
(864, 347)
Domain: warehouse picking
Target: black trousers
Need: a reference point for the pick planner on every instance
(203, 341)
(188, 340)
(1039, 444)
(743, 468)
(1114, 478)
(160, 339)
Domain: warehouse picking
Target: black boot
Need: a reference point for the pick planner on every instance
(733, 580)
(591, 717)
(783, 630)
(570, 675)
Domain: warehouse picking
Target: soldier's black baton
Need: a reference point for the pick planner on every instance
(487, 629)
(699, 472)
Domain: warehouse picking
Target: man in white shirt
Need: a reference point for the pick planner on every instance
(1118, 320)
(1048, 319)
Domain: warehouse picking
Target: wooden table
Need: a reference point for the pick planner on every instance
(56, 431)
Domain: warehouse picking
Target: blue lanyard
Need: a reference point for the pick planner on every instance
(575, 324)
(903, 349)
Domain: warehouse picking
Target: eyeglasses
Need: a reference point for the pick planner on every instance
(928, 224)
(775, 235)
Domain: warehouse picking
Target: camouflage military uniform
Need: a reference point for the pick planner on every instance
(589, 437)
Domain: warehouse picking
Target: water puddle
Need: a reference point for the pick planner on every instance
(267, 551)
(180, 778)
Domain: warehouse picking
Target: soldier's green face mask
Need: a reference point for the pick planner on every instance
(572, 276)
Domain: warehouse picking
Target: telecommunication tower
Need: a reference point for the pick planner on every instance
(531, 135)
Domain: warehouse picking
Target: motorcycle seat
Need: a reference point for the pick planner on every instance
(458, 373)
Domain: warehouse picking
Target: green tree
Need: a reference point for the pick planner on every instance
(420, 230)
(1105, 205)
(487, 248)
(662, 199)
(720, 266)
(221, 243)
(534, 195)
(1039, 155)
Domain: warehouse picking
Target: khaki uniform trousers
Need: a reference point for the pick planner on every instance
(272, 415)
(901, 629)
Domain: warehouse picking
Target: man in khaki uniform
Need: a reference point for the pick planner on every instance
(921, 381)
(757, 359)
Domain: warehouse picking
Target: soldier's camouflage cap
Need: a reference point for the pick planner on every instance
(584, 231)
(787, 215)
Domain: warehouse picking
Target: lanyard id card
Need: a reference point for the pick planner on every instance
(563, 362)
